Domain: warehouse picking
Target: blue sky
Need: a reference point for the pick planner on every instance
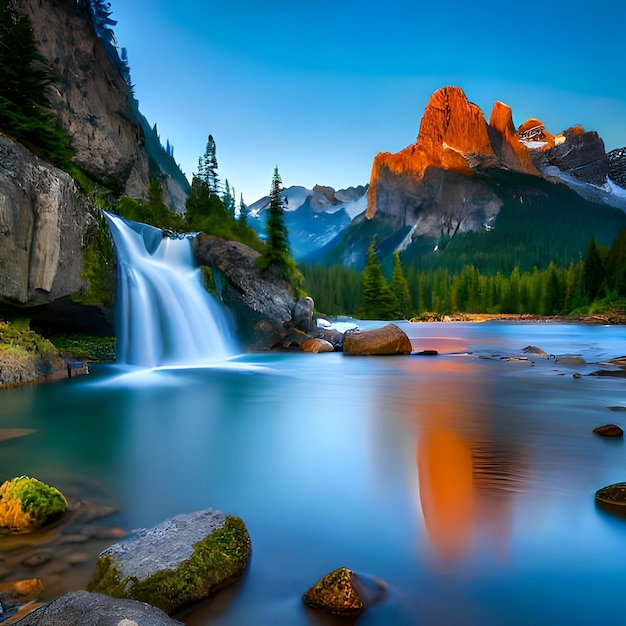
(319, 87)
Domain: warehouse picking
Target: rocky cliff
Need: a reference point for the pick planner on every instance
(93, 103)
(44, 224)
(440, 185)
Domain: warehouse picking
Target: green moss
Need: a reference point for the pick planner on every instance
(16, 337)
(85, 347)
(218, 560)
(208, 279)
(37, 499)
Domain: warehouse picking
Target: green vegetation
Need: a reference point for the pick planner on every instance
(27, 502)
(594, 284)
(24, 76)
(277, 255)
(85, 347)
(16, 337)
(217, 560)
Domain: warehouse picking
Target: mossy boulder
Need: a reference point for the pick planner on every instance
(184, 559)
(344, 593)
(27, 504)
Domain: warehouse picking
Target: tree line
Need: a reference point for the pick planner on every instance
(595, 283)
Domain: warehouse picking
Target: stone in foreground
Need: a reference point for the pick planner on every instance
(184, 559)
(387, 340)
(609, 430)
(612, 494)
(93, 609)
(27, 504)
(344, 593)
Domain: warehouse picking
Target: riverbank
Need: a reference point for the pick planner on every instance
(606, 318)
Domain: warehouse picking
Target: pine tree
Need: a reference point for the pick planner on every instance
(400, 287)
(277, 253)
(243, 211)
(616, 266)
(102, 22)
(594, 272)
(379, 301)
(208, 172)
(227, 198)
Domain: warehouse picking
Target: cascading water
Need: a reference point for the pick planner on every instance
(164, 315)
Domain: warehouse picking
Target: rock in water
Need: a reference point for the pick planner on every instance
(609, 430)
(27, 504)
(343, 592)
(93, 609)
(612, 494)
(314, 346)
(184, 559)
(389, 339)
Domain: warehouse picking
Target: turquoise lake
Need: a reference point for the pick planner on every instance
(464, 481)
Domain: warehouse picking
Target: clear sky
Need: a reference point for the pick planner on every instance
(318, 87)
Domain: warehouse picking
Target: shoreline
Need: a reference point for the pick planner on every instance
(615, 318)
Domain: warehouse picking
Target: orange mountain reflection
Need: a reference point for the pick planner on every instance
(467, 476)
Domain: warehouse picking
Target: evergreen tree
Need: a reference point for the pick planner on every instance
(277, 253)
(24, 76)
(243, 211)
(616, 266)
(379, 301)
(102, 22)
(227, 198)
(400, 287)
(207, 167)
(594, 272)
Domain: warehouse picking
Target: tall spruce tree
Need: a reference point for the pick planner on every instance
(227, 198)
(243, 211)
(379, 301)
(400, 287)
(594, 272)
(208, 172)
(277, 253)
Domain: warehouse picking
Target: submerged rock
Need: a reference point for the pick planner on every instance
(27, 504)
(18, 598)
(387, 340)
(609, 430)
(536, 351)
(344, 593)
(184, 559)
(93, 609)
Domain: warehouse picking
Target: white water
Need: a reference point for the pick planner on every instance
(164, 316)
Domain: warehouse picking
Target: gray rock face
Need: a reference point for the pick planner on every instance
(90, 97)
(44, 223)
(262, 304)
(581, 155)
(92, 609)
(617, 166)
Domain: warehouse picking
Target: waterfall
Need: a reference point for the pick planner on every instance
(164, 316)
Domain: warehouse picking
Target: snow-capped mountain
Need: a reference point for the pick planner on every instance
(313, 216)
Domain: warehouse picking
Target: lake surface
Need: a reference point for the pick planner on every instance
(464, 481)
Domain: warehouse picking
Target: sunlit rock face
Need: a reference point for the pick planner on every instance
(44, 223)
(443, 183)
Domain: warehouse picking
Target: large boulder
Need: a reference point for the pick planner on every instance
(387, 340)
(27, 504)
(93, 609)
(44, 224)
(184, 559)
(261, 302)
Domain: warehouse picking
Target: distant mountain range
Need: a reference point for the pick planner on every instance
(466, 180)
(314, 217)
